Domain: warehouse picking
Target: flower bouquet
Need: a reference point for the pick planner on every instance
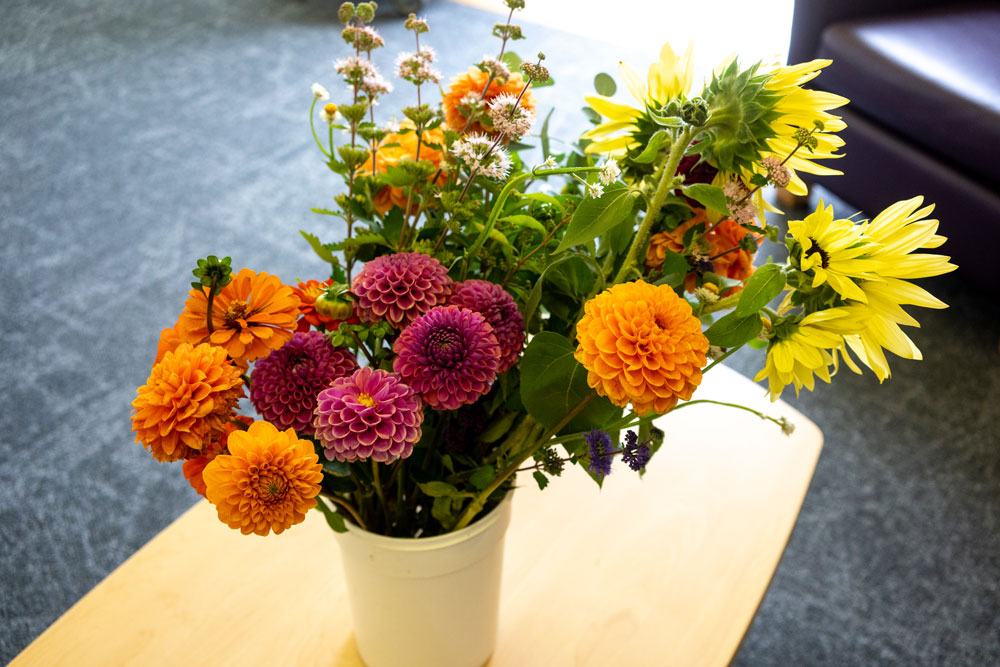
(483, 315)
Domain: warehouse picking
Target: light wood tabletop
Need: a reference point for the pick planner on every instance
(666, 570)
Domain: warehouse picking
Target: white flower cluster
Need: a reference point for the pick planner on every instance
(609, 171)
(375, 85)
(472, 106)
(481, 157)
(365, 37)
(595, 190)
(741, 207)
(777, 173)
(355, 70)
(509, 117)
(496, 68)
(320, 93)
(416, 68)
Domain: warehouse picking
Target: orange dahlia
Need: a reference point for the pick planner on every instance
(193, 468)
(388, 155)
(169, 340)
(252, 315)
(189, 396)
(267, 481)
(641, 343)
(456, 104)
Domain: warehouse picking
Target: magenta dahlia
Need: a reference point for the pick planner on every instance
(449, 356)
(370, 414)
(498, 307)
(284, 384)
(400, 288)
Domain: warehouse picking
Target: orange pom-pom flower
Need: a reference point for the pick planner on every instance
(189, 396)
(267, 482)
(641, 343)
(252, 315)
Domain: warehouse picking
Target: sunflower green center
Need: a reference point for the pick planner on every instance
(824, 257)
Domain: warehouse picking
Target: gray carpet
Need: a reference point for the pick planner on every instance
(138, 136)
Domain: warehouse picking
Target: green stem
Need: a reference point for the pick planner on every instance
(722, 304)
(664, 187)
(491, 222)
(378, 490)
(779, 422)
(312, 125)
(720, 359)
(479, 501)
(208, 308)
(347, 506)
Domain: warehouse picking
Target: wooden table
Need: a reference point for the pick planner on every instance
(667, 570)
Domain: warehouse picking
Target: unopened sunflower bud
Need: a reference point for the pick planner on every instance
(695, 111)
(705, 295)
(346, 12)
(715, 352)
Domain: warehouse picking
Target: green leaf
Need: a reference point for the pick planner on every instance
(498, 428)
(553, 382)
(656, 142)
(546, 199)
(765, 284)
(675, 263)
(444, 511)
(593, 217)
(524, 221)
(544, 134)
(482, 477)
(591, 115)
(540, 477)
(338, 468)
(512, 60)
(392, 226)
(438, 489)
(399, 177)
(334, 519)
(709, 196)
(605, 85)
(733, 330)
(324, 253)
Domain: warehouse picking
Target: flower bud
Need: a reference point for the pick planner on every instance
(346, 12)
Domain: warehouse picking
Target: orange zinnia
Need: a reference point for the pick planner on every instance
(388, 156)
(252, 315)
(641, 343)
(169, 340)
(193, 468)
(737, 264)
(473, 82)
(308, 293)
(268, 481)
(188, 397)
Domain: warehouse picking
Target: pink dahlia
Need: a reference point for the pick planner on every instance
(449, 356)
(498, 307)
(369, 414)
(400, 288)
(284, 384)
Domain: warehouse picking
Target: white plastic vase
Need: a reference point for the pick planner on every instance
(426, 602)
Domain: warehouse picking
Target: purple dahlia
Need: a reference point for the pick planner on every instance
(449, 356)
(284, 385)
(370, 414)
(400, 288)
(500, 311)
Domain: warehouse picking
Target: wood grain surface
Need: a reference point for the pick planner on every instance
(666, 570)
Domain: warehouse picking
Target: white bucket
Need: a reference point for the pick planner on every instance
(426, 602)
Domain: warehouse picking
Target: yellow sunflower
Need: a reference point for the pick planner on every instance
(900, 230)
(835, 251)
(667, 78)
(800, 108)
(808, 351)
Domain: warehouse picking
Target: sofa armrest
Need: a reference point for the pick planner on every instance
(811, 17)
